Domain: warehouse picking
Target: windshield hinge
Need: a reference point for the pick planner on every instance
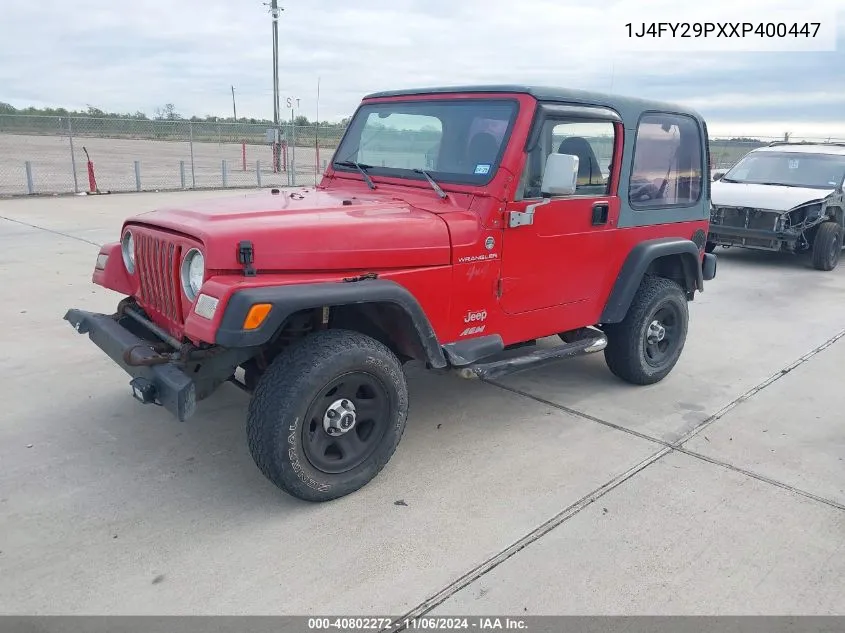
(246, 255)
(524, 218)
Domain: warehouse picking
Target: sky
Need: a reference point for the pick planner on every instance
(139, 56)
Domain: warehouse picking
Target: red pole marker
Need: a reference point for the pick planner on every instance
(92, 180)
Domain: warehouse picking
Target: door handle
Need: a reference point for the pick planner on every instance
(601, 210)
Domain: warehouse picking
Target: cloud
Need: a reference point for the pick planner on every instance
(138, 56)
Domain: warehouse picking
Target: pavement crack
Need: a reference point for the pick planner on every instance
(53, 231)
(756, 389)
(698, 427)
(494, 561)
(579, 414)
(667, 448)
(759, 477)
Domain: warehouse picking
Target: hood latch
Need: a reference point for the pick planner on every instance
(246, 255)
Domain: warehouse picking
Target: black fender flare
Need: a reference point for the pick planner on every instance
(636, 265)
(286, 300)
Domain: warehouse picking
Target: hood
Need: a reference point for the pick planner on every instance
(772, 197)
(305, 229)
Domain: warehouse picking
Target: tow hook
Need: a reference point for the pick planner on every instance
(130, 358)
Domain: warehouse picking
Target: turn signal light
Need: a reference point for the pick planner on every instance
(256, 315)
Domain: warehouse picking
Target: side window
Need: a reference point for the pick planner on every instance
(667, 168)
(591, 141)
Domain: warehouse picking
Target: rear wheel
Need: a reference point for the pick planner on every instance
(827, 246)
(328, 414)
(646, 345)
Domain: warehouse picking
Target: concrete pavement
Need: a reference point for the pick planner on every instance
(557, 490)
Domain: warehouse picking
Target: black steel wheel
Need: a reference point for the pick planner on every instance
(662, 335)
(827, 245)
(346, 422)
(645, 346)
(327, 415)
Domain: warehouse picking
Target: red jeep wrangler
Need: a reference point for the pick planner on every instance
(454, 226)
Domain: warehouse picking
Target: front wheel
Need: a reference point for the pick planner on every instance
(646, 345)
(327, 415)
(827, 246)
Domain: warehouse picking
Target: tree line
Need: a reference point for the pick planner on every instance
(167, 112)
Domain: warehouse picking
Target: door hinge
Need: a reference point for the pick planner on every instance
(499, 288)
(246, 255)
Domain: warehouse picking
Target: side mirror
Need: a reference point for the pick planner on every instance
(718, 175)
(561, 175)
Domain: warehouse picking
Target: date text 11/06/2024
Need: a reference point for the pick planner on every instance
(423, 623)
(723, 29)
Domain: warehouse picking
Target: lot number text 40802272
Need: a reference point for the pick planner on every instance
(723, 29)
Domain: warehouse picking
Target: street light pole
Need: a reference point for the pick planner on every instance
(274, 11)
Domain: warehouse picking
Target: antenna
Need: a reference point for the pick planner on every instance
(612, 72)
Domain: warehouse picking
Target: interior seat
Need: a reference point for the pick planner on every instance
(589, 171)
(482, 150)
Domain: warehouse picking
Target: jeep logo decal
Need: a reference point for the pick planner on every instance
(475, 316)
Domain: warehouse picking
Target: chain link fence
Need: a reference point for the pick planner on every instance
(59, 155)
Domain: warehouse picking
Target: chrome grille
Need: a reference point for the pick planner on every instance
(156, 259)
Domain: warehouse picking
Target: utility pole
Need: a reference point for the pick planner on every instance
(234, 107)
(274, 12)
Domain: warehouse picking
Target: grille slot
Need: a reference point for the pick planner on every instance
(156, 262)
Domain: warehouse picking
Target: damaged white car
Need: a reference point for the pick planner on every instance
(783, 197)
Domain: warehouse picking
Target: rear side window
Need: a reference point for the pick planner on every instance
(667, 168)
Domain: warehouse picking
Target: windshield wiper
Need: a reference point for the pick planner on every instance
(360, 167)
(433, 183)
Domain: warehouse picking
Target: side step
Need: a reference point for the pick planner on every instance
(491, 369)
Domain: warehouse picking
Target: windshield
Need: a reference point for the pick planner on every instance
(458, 141)
(792, 169)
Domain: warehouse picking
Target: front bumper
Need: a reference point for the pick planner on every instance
(722, 233)
(708, 267)
(163, 384)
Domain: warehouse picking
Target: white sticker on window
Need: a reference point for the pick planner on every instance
(793, 163)
(482, 169)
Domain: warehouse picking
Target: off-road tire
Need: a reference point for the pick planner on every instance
(625, 353)
(827, 245)
(286, 391)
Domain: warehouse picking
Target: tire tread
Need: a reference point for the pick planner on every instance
(278, 396)
(623, 353)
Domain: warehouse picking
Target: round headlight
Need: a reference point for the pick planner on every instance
(193, 273)
(127, 248)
